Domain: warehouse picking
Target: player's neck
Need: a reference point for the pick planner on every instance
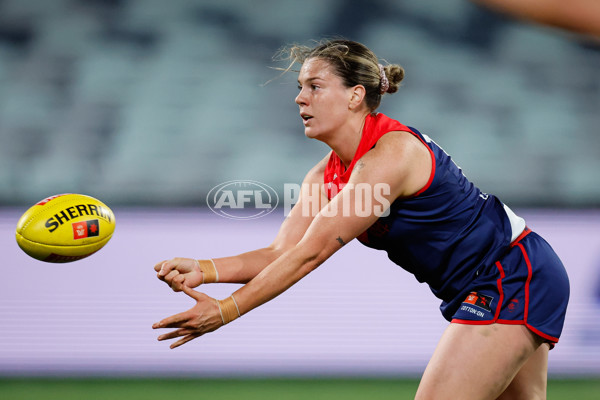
(346, 141)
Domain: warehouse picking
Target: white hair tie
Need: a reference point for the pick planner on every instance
(385, 83)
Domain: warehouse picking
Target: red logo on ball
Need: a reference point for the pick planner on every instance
(85, 229)
(47, 199)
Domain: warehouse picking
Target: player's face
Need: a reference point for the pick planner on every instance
(323, 99)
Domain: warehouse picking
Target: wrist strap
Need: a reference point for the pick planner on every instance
(229, 309)
(209, 271)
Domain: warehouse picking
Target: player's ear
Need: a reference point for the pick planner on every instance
(357, 95)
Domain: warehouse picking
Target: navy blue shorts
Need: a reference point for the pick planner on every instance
(527, 286)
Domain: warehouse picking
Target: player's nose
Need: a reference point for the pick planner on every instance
(301, 98)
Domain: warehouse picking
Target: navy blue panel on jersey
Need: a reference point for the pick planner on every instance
(446, 233)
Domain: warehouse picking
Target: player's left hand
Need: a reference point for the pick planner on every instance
(179, 272)
(204, 317)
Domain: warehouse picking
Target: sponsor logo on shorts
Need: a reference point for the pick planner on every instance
(479, 300)
(512, 306)
(471, 310)
(86, 229)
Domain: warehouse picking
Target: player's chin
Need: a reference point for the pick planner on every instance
(311, 133)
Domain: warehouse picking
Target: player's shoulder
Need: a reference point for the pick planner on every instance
(398, 144)
(401, 160)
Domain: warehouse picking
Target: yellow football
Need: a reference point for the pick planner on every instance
(64, 228)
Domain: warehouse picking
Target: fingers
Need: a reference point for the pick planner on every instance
(174, 334)
(184, 340)
(158, 266)
(175, 280)
(174, 321)
(178, 283)
(165, 268)
(179, 271)
(160, 272)
(192, 293)
(168, 271)
(188, 335)
(181, 274)
(179, 320)
(204, 317)
(183, 265)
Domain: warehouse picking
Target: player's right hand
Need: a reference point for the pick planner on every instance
(178, 272)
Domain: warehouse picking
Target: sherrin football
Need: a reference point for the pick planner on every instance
(64, 228)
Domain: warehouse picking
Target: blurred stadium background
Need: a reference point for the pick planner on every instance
(148, 104)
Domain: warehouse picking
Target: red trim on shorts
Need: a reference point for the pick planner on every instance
(511, 321)
(471, 322)
(500, 291)
(549, 338)
(553, 340)
(527, 294)
(529, 275)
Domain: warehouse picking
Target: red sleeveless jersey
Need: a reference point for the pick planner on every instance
(376, 125)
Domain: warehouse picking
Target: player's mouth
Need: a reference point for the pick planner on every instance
(306, 118)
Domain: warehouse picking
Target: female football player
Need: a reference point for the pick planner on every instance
(503, 289)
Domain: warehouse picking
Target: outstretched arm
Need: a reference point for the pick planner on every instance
(399, 164)
(244, 267)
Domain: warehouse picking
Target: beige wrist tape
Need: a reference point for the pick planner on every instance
(209, 271)
(229, 309)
